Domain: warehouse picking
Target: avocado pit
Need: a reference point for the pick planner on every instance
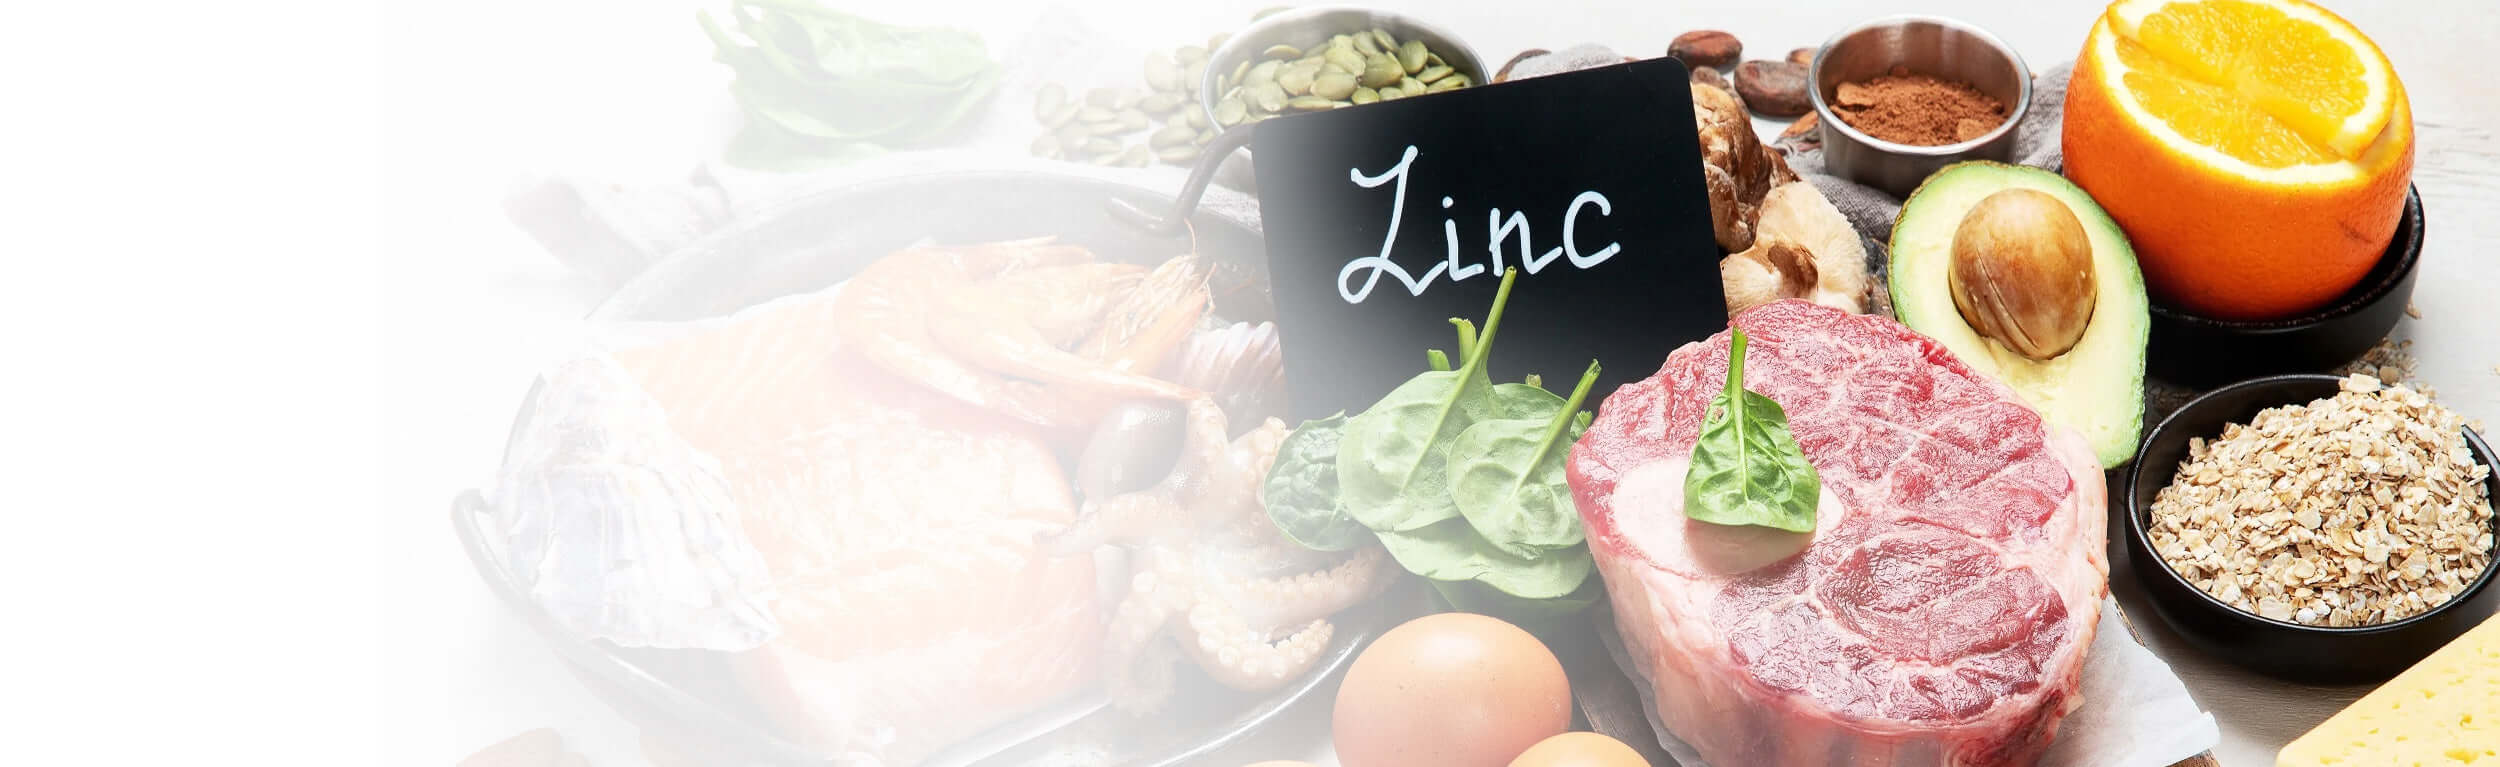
(2022, 274)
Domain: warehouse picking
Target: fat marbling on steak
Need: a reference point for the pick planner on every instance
(1937, 615)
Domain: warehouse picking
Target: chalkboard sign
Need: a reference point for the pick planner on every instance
(1383, 221)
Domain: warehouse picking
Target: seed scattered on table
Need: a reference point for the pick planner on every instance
(2358, 509)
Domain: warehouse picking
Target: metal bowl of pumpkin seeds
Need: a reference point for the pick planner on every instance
(1313, 59)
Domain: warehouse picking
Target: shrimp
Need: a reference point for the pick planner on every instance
(990, 325)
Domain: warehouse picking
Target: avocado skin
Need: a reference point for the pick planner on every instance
(2096, 388)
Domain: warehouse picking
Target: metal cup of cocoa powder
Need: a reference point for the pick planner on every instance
(1947, 51)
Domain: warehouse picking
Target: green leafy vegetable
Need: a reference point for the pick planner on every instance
(819, 86)
(1506, 476)
(1394, 461)
(1475, 597)
(1301, 489)
(1747, 468)
(1459, 478)
(1450, 550)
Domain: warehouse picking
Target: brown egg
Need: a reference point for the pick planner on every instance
(1580, 749)
(1450, 690)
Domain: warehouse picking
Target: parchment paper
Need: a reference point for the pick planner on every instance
(2135, 712)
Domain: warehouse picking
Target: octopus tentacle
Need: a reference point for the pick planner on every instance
(1293, 600)
(1242, 658)
(1138, 674)
(1125, 518)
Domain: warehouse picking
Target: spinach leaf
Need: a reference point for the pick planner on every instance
(1301, 489)
(1519, 400)
(1450, 550)
(1506, 477)
(1747, 468)
(1475, 597)
(1394, 460)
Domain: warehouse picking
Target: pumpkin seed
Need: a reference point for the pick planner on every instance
(1230, 111)
(1179, 155)
(1190, 54)
(1345, 59)
(1162, 73)
(1311, 103)
(1171, 135)
(1411, 85)
(1296, 80)
(1206, 136)
(1333, 86)
(1411, 56)
(1046, 146)
(1047, 100)
(1379, 69)
(1132, 120)
(1197, 118)
(1240, 70)
(1067, 112)
(1431, 74)
(1268, 97)
(1136, 157)
(1450, 83)
(1102, 145)
(1193, 75)
(1382, 37)
(1364, 96)
(1265, 72)
(1095, 114)
(1366, 44)
(1282, 52)
(1160, 103)
(1392, 94)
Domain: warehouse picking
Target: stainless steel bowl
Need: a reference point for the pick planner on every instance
(1928, 45)
(1302, 27)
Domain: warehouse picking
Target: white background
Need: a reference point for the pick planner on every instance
(264, 316)
(481, 92)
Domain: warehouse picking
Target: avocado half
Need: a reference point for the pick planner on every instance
(2096, 387)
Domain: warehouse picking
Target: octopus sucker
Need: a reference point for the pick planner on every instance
(1213, 575)
(1311, 596)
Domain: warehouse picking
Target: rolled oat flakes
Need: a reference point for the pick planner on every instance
(2358, 509)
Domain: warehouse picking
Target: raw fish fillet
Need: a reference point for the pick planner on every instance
(898, 528)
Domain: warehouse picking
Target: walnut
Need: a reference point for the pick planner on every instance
(1737, 167)
(1803, 248)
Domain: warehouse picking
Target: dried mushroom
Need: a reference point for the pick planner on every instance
(1737, 167)
(1803, 248)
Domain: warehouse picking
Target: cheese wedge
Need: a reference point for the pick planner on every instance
(2443, 712)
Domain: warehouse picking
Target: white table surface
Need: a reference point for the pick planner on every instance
(481, 92)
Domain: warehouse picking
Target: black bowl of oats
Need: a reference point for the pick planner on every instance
(2314, 528)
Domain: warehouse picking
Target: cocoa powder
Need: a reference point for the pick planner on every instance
(1919, 110)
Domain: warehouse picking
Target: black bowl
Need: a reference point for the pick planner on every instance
(2312, 654)
(2203, 351)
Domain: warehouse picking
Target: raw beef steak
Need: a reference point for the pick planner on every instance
(1937, 615)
